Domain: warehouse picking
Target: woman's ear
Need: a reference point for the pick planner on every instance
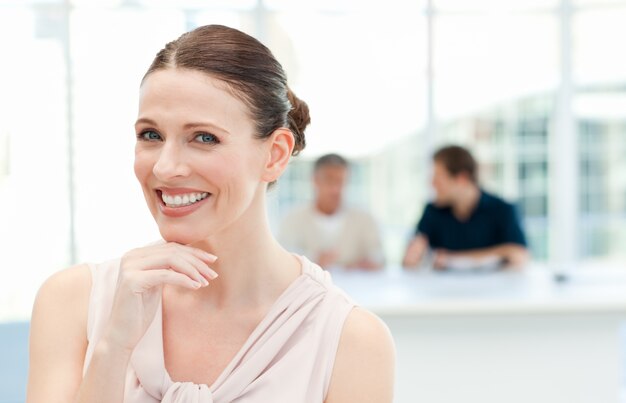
(281, 147)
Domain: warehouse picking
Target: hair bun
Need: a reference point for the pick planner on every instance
(299, 119)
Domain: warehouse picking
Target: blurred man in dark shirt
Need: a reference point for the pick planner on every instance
(465, 223)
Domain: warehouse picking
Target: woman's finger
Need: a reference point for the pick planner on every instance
(200, 265)
(148, 279)
(200, 254)
(166, 260)
(182, 258)
(198, 257)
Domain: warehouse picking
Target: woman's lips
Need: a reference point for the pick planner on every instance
(183, 198)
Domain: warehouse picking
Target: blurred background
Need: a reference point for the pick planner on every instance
(535, 88)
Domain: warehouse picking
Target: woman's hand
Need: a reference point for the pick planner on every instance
(143, 272)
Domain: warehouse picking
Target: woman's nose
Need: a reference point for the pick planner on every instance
(171, 163)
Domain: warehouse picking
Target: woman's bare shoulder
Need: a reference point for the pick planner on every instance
(58, 335)
(72, 284)
(361, 321)
(63, 298)
(365, 362)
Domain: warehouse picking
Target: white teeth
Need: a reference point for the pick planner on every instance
(182, 200)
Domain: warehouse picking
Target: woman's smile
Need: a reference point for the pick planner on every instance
(180, 202)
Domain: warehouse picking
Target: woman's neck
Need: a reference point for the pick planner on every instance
(253, 268)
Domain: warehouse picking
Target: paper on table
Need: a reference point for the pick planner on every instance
(467, 263)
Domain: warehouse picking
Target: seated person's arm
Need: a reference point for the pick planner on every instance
(366, 264)
(364, 366)
(513, 255)
(372, 261)
(326, 259)
(417, 248)
(415, 251)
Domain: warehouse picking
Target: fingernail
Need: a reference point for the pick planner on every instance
(212, 274)
(205, 282)
(211, 258)
(196, 284)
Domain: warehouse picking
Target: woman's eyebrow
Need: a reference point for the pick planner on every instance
(187, 126)
(145, 121)
(196, 125)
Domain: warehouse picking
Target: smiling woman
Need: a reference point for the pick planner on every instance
(217, 125)
(219, 156)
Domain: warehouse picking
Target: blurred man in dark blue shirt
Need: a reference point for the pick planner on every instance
(465, 223)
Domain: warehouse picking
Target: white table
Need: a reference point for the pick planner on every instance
(500, 337)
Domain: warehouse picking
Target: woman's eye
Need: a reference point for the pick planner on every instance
(207, 138)
(149, 135)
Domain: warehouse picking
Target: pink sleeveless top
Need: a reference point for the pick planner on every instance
(287, 358)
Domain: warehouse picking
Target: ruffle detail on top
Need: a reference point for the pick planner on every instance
(188, 392)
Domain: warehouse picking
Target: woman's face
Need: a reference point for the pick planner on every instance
(196, 157)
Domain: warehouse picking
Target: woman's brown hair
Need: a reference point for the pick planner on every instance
(248, 68)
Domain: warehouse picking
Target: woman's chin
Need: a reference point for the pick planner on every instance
(180, 237)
